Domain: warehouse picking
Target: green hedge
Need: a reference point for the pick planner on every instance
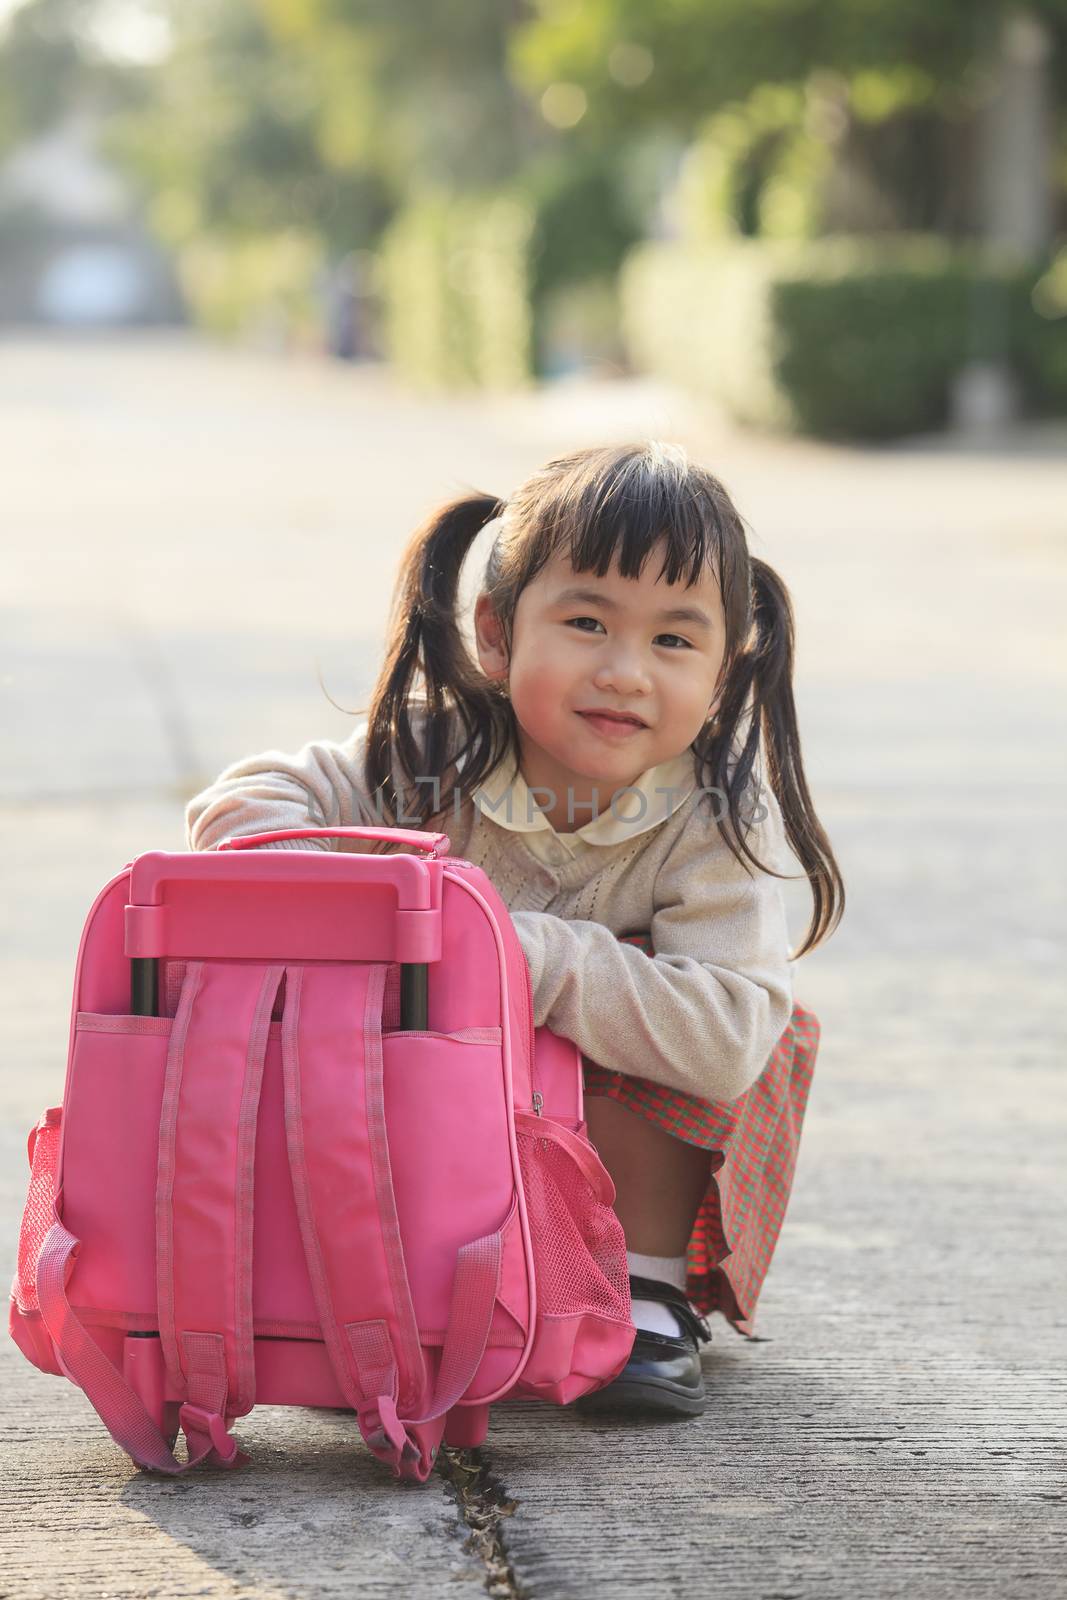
(262, 284)
(837, 337)
(494, 290)
(454, 282)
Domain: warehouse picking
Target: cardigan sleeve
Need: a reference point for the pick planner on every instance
(322, 785)
(704, 1012)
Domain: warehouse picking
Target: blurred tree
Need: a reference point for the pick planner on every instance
(812, 115)
(50, 65)
(316, 122)
(433, 79)
(239, 137)
(326, 113)
(673, 64)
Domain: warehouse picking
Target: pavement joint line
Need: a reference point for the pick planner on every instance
(150, 662)
(483, 1504)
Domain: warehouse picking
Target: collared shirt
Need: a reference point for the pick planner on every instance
(504, 796)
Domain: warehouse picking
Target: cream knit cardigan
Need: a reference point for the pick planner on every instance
(702, 1015)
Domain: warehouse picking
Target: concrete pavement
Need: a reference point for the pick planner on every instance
(192, 541)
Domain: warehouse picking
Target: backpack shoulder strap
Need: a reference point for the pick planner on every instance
(203, 1229)
(342, 1182)
(207, 1143)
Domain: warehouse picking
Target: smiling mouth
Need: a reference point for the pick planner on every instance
(604, 720)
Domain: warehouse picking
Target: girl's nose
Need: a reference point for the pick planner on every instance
(626, 674)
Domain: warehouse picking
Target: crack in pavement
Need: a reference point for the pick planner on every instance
(483, 1503)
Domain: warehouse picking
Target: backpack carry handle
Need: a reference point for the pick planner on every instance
(297, 903)
(435, 843)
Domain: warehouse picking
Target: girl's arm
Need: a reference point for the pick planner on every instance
(704, 1012)
(321, 786)
(701, 1015)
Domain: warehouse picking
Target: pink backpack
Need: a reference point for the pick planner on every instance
(313, 1152)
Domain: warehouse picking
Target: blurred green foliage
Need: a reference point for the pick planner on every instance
(502, 161)
(261, 285)
(49, 64)
(497, 288)
(455, 291)
(705, 54)
(772, 165)
(236, 141)
(837, 337)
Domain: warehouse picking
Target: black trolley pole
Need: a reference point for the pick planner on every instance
(414, 998)
(414, 1004)
(144, 986)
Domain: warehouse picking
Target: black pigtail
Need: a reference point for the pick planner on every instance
(425, 643)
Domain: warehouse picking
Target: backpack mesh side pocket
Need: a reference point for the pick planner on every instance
(38, 1216)
(578, 1242)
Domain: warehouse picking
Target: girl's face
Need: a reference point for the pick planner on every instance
(620, 644)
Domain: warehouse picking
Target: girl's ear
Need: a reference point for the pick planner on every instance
(489, 639)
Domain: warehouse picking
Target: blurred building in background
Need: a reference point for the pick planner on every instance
(74, 252)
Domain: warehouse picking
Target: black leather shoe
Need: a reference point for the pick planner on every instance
(663, 1373)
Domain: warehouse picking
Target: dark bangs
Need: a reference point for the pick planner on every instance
(616, 506)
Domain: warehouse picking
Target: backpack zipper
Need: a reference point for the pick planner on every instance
(536, 1098)
(527, 995)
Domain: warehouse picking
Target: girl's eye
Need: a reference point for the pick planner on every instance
(596, 624)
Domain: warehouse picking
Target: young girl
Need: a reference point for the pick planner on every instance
(602, 762)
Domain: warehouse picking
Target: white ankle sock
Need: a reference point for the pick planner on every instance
(651, 1314)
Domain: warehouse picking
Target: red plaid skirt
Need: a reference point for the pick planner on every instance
(753, 1143)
